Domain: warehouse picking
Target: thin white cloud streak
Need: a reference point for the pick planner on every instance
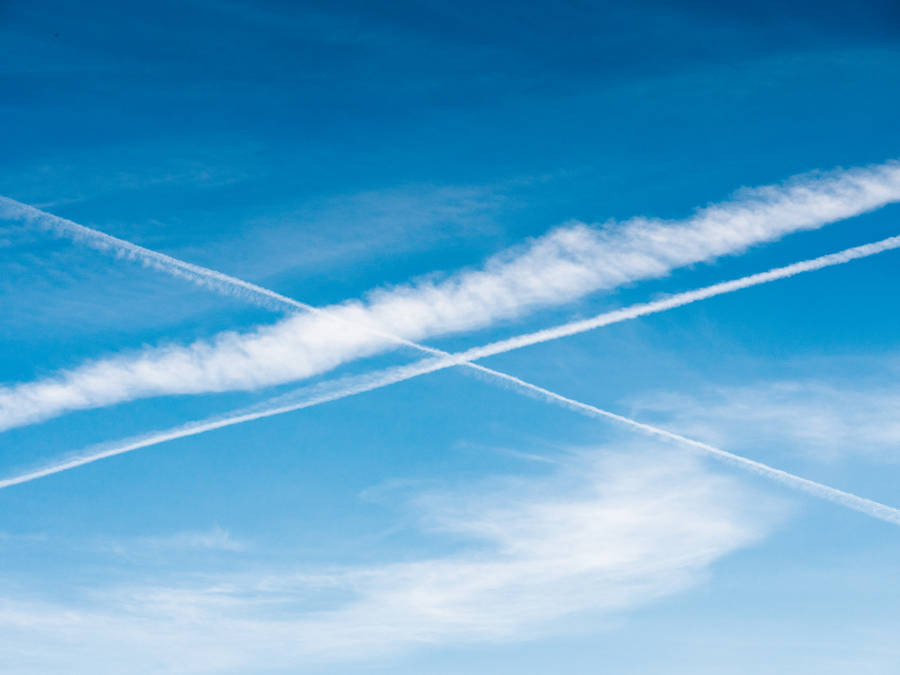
(839, 497)
(214, 539)
(681, 299)
(602, 533)
(350, 386)
(561, 266)
(826, 419)
(329, 391)
(12, 210)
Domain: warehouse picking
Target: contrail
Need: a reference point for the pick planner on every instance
(443, 360)
(202, 276)
(341, 388)
(351, 386)
(197, 274)
(329, 391)
(805, 204)
(247, 290)
(679, 300)
(562, 265)
(847, 499)
(466, 357)
(357, 385)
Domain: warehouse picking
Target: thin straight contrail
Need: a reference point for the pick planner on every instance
(197, 274)
(677, 300)
(334, 390)
(356, 385)
(847, 499)
(562, 265)
(328, 391)
(202, 276)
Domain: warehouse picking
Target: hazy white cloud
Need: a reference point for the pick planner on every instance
(559, 267)
(213, 539)
(18, 538)
(350, 229)
(130, 167)
(602, 533)
(818, 418)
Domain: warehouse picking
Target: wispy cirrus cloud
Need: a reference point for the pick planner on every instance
(358, 228)
(212, 539)
(819, 418)
(560, 267)
(602, 532)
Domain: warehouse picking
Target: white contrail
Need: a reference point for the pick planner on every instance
(847, 499)
(328, 391)
(680, 299)
(203, 276)
(465, 358)
(209, 277)
(560, 266)
(755, 215)
(331, 391)
(443, 360)
(356, 385)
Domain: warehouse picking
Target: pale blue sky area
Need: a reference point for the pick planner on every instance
(391, 154)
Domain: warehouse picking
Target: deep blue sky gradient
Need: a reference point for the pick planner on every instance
(325, 149)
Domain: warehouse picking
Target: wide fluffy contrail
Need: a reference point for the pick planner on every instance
(344, 387)
(466, 358)
(754, 216)
(679, 299)
(560, 266)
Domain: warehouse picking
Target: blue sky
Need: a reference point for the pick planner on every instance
(451, 176)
